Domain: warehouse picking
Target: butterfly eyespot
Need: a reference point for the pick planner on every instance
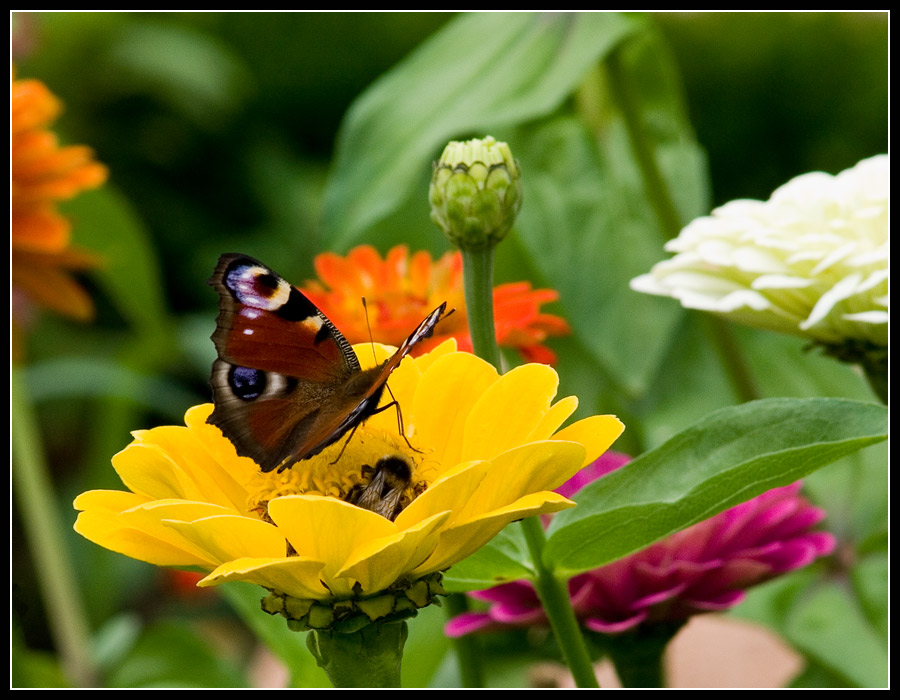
(247, 383)
(299, 384)
(267, 280)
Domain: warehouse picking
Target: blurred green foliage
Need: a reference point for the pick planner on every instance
(265, 133)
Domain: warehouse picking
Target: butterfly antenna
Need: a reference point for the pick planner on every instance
(369, 328)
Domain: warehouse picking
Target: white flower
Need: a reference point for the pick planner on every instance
(813, 260)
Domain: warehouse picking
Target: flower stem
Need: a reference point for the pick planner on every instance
(658, 195)
(638, 655)
(466, 647)
(478, 281)
(731, 358)
(554, 597)
(662, 202)
(368, 658)
(36, 502)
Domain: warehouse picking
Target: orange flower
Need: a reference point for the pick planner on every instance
(401, 289)
(43, 173)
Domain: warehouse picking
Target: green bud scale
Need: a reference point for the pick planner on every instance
(476, 192)
(399, 602)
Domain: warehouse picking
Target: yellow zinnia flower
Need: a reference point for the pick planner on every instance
(483, 450)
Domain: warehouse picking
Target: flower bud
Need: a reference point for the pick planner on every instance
(476, 192)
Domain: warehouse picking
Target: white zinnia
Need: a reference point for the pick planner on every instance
(813, 260)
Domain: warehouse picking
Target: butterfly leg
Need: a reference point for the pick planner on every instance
(400, 427)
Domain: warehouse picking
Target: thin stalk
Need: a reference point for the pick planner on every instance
(661, 201)
(478, 282)
(36, 501)
(639, 654)
(466, 647)
(554, 597)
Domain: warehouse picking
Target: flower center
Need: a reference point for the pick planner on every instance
(375, 470)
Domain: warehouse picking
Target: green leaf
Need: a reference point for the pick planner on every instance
(504, 558)
(481, 71)
(725, 459)
(426, 647)
(171, 654)
(587, 231)
(106, 224)
(79, 377)
(870, 577)
(830, 628)
(197, 75)
(288, 646)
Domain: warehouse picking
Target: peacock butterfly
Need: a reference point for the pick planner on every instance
(286, 383)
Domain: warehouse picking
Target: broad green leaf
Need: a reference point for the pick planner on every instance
(829, 627)
(505, 558)
(172, 654)
(195, 74)
(427, 646)
(481, 71)
(725, 459)
(604, 188)
(129, 270)
(870, 577)
(80, 377)
(588, 231)
(288, 646)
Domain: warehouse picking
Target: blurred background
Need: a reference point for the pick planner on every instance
(220, 132)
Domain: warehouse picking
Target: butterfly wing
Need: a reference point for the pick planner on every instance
(363, 391)
(280, 360)
(286, 383)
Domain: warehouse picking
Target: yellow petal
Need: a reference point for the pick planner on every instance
(447, 347)
(329, 530)
(535, 467)
(378, 564)
(457, 543)
(448, 493)
(596, 433)
(138, 531)
(195, 463)
(227, 537)
(477, 488)
(147, 469)
(295, 576)
(554, 418)
(448, 390)
(509, 411)
(109, 501)
(225, 469)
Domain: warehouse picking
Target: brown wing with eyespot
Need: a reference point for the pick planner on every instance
(286, 383)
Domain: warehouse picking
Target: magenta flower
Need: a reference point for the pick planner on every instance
(703, 568)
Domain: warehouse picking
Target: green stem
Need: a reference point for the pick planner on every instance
(369, 658)
(554, 597)
(36, 502)
(638, 654)
(661, 201)
(658, 195)
(478, 281)
(878, 381)
(731, 358)
(466, 647)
